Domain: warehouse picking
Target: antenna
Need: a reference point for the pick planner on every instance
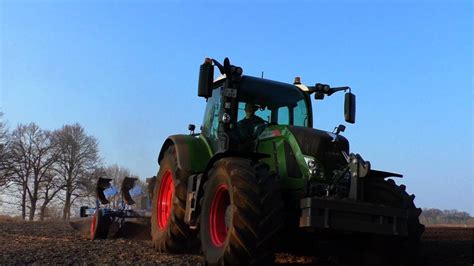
(262, 74)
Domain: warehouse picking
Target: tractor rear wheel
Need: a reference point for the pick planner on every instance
(100, 224)
(395, 249)
(168, 230)
(241, 213)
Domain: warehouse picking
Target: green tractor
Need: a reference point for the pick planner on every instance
(259, 175)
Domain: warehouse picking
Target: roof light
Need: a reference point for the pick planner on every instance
(297, 81)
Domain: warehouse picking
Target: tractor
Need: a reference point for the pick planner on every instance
(237, 194)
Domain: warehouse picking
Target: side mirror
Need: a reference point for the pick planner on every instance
(206, 76)
(350, 107)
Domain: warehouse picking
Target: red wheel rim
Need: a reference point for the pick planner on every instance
(217, 224)
(94, 219)
(165, 199)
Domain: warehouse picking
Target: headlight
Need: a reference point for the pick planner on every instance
(316, 169)
(312, 165)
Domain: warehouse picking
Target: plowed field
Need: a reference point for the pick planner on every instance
(59, 243)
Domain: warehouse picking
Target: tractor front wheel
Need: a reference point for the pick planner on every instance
(241, 213)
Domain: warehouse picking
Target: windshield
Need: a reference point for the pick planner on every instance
(283, 115)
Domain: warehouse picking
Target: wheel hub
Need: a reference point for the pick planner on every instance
(220, 215)
(165, 199)
(94, 219)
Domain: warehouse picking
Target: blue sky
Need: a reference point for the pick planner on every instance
(127, 72)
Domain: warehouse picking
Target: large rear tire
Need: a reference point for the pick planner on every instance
(241, 213)
(168, 230)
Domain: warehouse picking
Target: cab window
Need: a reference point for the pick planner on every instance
(283, 115)
(264, 114)
(300, 114)
(211, 116)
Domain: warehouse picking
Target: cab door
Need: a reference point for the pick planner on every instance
(210, 126)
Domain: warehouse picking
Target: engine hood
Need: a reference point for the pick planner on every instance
(325, 146)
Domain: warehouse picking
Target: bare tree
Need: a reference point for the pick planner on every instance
(43, 158)
(3, 130)
(30, 157)
(50, 187)
(20, 165)
(3, 151)
(77, 159)
(116, 173)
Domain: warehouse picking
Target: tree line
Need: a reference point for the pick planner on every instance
(437, 216)
(40, 168)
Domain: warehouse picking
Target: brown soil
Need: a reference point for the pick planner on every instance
(67, 243)
(448, 246)
(58, 243)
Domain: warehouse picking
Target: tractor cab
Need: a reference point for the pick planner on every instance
(278, 103)
(274, 103)
(278, 125)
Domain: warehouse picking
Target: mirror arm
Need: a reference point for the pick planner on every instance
(333, 90)
(221, 68)
(342, 88)
(312, 89)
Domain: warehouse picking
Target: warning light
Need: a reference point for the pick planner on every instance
(297, 81)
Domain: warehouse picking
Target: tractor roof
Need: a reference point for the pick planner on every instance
(268, 92)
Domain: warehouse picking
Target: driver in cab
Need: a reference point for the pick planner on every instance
(247, 126)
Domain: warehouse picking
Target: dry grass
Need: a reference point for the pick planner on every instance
(6, 218)
(451, 225)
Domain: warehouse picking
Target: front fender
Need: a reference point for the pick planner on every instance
(255, 156)
(192, 153)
